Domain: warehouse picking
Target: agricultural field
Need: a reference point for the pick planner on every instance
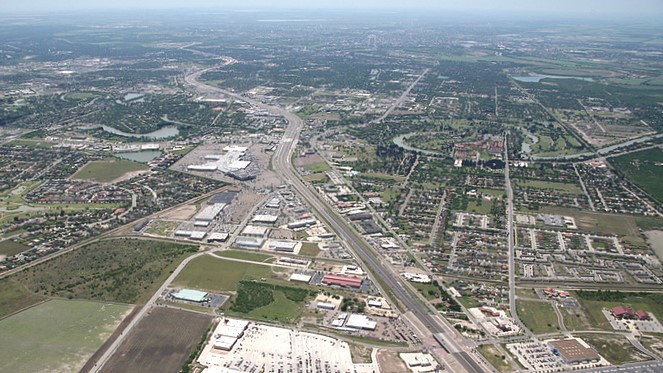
(57, 336)
(161, 342)
(107, 170)
(644, 169)
(218, 275)
(121, 270)
(539, 317)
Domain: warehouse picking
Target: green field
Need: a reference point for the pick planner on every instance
(594, 302)
(263, 301)
(57, 336)
(107, 170)
(120, 270)
(163, 228)
(281, 309)
(309, 249)
(494, 357)
(317, 167)
(15, 297)
(218, 275)
(9, 247)
(614, 348)
(244, 255)
(539, 317)
(644, 169)
(549, 185)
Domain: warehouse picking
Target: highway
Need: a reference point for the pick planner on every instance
(393, 281)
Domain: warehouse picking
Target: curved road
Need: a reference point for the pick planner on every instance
(282, 164)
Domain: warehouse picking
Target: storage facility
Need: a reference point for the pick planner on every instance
(255, 231)
(265, 219)
(210, 212)
(573, 352)
(283, 246)
(190, 295)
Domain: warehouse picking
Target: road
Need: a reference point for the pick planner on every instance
(400, 100)
(386, 277)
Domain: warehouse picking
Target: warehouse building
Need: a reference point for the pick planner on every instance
(228, 332)
(265, 219)
(190, 295)
(255, 231)
(249, 242)
(302, 223)
(218, 237)
(573, 352)
(210, 212)
(360, 322)
(331, 279)
(283, 246)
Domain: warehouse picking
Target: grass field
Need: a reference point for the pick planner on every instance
(309, 249)
(645, 169)
(244, 255)
(550, 185)
(57, 336)
(539, 317)
(614, 348)
(317, 167)
(163, 228)
(494, 357)
(9, 247)
(14, 297)
(107, 170)
(218, 275)
(161, 342)
(121, 270)
(281, 309)
(650, 302)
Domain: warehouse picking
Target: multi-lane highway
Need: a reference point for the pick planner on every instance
(281, 161)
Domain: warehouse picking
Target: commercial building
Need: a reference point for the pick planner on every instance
(228, 332)
(273, 203)
(210, 212)
(198, 235)
(341, 280)
(255, 231)
(248, 242)
(302, 223)
(218, 237)
(573, 352)
(300, 277)
(326, 306)
(190, 295)
(283, 246)
(360, 322)
(265, 219)
(627, 313)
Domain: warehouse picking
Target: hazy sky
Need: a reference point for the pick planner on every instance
(650, 8)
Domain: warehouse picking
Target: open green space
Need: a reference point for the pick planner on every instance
(539, 317)
(107, 170)
(377, 176)
(244, 255)
(614, 348)
(119, 270)
(549, 185)
(15, 297)
(163, 228)
(57, 336)
(494, 357)
(264, 301)
(9, 247)
(309, 249)
(317, 167)
(595, 301)
(644, 169)
(429, 291)
(219, 275)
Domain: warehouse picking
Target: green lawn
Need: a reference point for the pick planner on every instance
(218, 275)
(281, 309)
(57, 336)
(645, 169)
(309, 249)
(317, 167)
(9, 247)
(552, 185)
(107, 170)
(614, 348)
(163, 228)
(494, 357)
(539, 317)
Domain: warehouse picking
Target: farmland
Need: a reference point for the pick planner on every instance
(124, 270)
(58, 335)
(161, 342)
(644, 168)
(107, 170)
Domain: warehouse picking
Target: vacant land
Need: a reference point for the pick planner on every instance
(263, 301)
(549, 185)
(14, 297)
(390, 362)
(309, 249)
(161, 342)
(218, 275)
(614, 348)
(9, 248)
(163, 228)
(244, 255)
(645, 169)
(593, 302)
(493, 355)
(539, 317)
(107, 170)
(317, 167)
(121, 270)
(57, 336)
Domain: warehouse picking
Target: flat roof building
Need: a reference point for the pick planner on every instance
(283, 246)
(249, 242)
(302, 223)
(210, 212)
(300, 277)
(573, 352)
(265, 219)
(255, 231)
(218, 237)
(341, 280)
(360, 322)
(190, 295)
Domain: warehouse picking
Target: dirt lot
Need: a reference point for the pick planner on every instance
(389, 362)
(160, 343)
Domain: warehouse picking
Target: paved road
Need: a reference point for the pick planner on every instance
(391, 280)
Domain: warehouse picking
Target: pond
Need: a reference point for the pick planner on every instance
(161, 133)
(535, 78)
(143, 157)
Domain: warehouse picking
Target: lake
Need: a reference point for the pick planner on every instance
(143, 157)
(535, 78)
(161, 133)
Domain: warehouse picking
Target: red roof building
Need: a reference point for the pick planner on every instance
(342, 280)
(642, 315)
(622, 312)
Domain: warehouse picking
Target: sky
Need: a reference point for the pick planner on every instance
(631, 8)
